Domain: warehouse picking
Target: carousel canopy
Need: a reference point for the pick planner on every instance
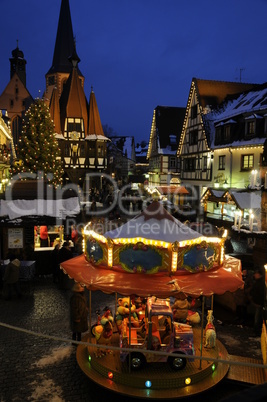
(162, 285)
(155, 223)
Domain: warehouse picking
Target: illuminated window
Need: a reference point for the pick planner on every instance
(247, 162)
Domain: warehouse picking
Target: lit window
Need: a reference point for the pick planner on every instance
(247, 162)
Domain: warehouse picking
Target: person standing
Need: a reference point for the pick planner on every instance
(43, 236)
(257, 295)
(11, 279)
(78, 312)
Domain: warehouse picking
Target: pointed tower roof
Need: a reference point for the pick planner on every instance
(64, 42)
(55, 110)
(73, 101)
(95, 129)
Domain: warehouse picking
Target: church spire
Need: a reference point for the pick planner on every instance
(65, 44)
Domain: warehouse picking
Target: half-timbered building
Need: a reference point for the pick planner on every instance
(195, 151)
(163, 142)
(77, 122)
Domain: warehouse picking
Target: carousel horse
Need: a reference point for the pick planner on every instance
(210, 333)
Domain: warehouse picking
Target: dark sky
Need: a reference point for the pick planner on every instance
(142, 53)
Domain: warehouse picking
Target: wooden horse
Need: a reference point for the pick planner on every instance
(210, 333)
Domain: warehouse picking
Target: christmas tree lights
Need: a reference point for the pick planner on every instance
(38, 147)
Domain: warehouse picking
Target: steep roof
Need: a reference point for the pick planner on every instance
(169, 123)
(65, 43)
(55, 110)
(252, 103)
(73, 101)
(94, 125)
(213, 93)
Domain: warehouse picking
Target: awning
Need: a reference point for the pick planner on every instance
(162, 285)
(172, 190)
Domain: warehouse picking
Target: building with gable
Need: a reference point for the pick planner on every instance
(163, 142)
(15, 98)
(122, 157)
(195, 149)
(7, 151)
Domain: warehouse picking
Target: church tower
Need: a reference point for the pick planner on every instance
(77, 124)
(61, 67)
(16, 99)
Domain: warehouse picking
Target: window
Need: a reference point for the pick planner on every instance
(172, 162)
(190, 164)
(251, 128)
(82, 148)
(74, 127)
(66, 150)
(193, 137)
(11, 103)
(222, 162)
(205, 163)
(194, 112)
(247, 162)
(218, 134)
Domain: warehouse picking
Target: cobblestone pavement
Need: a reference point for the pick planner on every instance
(34, 368)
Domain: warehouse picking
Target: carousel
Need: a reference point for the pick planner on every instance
(161, 342)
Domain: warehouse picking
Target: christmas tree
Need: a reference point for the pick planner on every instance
(38, 148)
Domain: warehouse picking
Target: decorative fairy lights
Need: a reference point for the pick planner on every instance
(173, 248)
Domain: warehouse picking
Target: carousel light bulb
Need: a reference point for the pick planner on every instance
(89, 358)
(213, 367)
(110, 375)
(187, 380)
(148, 384)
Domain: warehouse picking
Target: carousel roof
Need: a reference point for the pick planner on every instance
(154, 223)
(162, 285)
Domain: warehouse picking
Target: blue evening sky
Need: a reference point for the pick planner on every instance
(141, 53)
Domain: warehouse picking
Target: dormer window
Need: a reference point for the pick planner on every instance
(218, 133)
(252, 123)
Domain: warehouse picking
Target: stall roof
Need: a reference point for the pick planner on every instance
(242, 199)
(172, 189)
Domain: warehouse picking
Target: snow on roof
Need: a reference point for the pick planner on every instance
(249, 102)
(154, 223)
(247, 200)
(56, 208)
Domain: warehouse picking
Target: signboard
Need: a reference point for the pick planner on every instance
(15, 238)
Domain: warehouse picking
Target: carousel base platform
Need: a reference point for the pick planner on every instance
(165, 383)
